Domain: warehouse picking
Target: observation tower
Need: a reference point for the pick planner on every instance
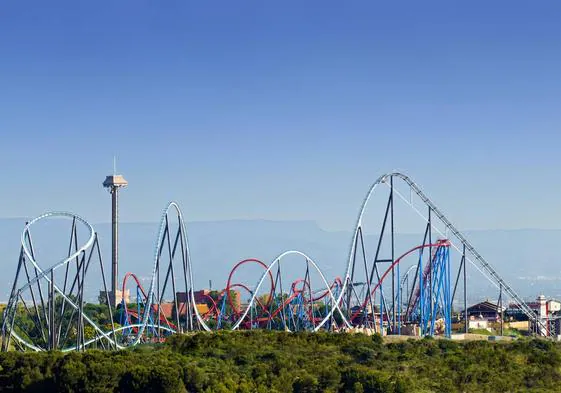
(113, 183)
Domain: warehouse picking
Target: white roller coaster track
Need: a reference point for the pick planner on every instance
(44, 275)
(478, 261)
(277, 261)
(187, 256)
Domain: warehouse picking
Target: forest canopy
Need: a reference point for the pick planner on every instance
(266, 361)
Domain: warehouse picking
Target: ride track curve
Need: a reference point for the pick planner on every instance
(127, 314)
(468, 249)
(392, 266)
(53, 335)
(27, 254)
(277, 261)
(154, 295)
(267, 311)
(163, 235)
(229, 286)
(291, 296)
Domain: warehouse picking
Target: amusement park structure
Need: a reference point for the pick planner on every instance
(381, 289)
(113, 183)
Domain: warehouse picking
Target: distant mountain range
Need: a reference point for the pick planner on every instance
(527, 259)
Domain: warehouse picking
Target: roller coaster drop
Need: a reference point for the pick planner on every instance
(46, 309)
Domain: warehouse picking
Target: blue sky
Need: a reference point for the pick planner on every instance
(281, 110)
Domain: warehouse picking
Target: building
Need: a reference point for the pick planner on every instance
(118, 298)
(541, 307)
(201, 296)
(485, 310)
(478, 323)
(546, 311)
(554, 306)
(168, 310)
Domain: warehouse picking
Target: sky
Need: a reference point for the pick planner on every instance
(281, 110)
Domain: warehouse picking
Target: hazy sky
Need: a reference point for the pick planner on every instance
(281, 109)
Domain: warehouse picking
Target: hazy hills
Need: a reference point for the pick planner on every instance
(527, 259)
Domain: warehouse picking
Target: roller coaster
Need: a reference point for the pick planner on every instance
(46, 309)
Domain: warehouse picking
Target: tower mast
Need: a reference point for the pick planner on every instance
(113, 183)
